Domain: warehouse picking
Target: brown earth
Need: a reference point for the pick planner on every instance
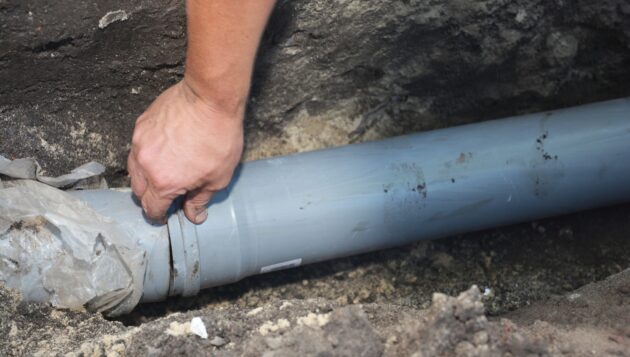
(526, 303)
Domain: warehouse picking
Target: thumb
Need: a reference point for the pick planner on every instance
(196, 205)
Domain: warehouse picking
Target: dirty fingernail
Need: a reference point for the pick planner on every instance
(201, 216)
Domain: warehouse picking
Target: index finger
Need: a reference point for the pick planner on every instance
(155, 206)
(138, 181)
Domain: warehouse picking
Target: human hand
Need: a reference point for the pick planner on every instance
(184, 145)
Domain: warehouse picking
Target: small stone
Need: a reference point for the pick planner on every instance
(117, 349)
(464, 348)
(359, 272)
(442, 260)
(363, 295)
(342, 300)
(313, 320)
(385, 287)
(253, 301)
(255, 311)
(562, 46)
(520, 15)
(624, 289)
(269, 326)
(218, 341)
(391, 340)
(274, 342)
(566, 232)
(410, 279)
(14, 330)
(285, 304)
(178, 329)
(480, 338)
(111, 17)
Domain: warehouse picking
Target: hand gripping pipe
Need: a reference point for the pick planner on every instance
(300, 209)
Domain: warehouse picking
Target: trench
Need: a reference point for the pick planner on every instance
(325, 76)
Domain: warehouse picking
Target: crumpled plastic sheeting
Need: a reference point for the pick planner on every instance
(30, 169)
(55, 248)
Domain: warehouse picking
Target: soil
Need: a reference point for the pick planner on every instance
(554, 287)
(74, 76)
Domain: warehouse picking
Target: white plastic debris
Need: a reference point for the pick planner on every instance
(198, 328)
(55, 248)
(30, 169)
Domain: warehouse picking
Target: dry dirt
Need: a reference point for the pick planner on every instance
(555, 287)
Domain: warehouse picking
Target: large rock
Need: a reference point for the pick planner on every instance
(74, 75)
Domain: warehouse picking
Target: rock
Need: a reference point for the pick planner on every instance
(74, 76)
(563, 46)
(442, 260)
(254, 311)
(38, 329)
(313, 320)
(451, 326)
(344, 332)
(270, 326)
(218, 341)
(111, 17)
(457, 326)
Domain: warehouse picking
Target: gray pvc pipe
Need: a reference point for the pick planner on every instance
(120, 206)
(314, 206)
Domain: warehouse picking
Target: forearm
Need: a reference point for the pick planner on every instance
(223, 36)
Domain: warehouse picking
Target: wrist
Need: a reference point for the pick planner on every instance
(219, 94)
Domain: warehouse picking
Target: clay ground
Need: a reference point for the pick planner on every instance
(331, 73)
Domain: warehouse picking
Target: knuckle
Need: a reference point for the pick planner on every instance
(162, 182)
(143, 157)
(135, 142)
(136, 137)
(151, 209)
(147, 207)
(222, 183)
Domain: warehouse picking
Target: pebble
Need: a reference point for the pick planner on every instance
(255, 311)
(480, 338)
(218, 341)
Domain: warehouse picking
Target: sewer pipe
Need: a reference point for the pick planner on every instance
(314, 206)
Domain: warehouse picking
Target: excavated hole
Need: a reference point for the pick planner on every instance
(70, 92)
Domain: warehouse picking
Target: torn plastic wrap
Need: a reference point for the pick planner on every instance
(31, 170)
(55, 248)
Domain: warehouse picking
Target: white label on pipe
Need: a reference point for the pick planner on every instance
(283, 265)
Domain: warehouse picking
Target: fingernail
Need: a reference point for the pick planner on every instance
(201, 216)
